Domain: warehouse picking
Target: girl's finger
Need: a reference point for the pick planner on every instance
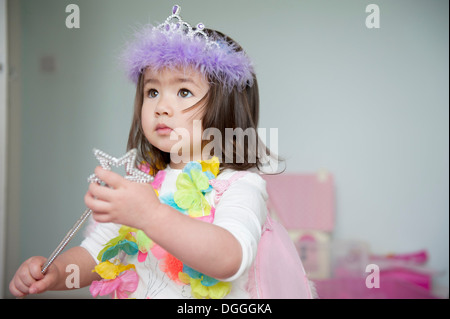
(15, 291)
(100, 192)
(101, 218)
(95, 204)
(24, 277)
(110, 178)
(44, 284)
(35, 270)
(18, 288)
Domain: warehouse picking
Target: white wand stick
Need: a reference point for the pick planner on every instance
(66, 239)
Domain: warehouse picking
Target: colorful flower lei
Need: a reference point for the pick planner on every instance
(119, 280)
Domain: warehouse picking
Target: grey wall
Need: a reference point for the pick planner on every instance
(369, 105)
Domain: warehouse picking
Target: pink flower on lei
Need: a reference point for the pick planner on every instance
(118, 287)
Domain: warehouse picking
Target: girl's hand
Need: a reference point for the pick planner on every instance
(123, 202)
(29, 279)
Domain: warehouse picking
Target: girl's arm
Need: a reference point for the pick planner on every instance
(207, 248)
(80, 258)
(29, 279)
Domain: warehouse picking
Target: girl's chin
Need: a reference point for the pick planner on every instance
(163, 148)
(178, 151)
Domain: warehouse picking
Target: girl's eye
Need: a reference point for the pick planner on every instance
(152, 93)
(184, 93)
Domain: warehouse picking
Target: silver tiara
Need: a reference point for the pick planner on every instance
(174, 24)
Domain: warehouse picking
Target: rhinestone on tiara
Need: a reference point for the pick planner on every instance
(175, 24)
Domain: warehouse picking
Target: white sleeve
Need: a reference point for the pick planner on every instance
(98, 236)
(242, 211)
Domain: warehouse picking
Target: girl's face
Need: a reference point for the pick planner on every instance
(167, 121)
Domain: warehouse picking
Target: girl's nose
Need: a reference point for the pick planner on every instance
(163, 107)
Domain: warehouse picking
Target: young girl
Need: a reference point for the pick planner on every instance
(194, 231)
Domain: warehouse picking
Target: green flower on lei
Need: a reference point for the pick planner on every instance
(192, 183)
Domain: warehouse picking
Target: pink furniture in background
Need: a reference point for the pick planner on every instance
(305, 205)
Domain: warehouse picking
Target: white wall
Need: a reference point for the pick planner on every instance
(369, 105)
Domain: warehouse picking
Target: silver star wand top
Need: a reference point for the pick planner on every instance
(106, 161)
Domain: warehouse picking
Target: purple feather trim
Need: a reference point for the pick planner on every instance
(161, 49)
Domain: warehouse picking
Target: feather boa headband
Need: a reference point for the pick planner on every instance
(175, 43)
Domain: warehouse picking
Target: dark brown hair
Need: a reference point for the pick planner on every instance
(222, 110)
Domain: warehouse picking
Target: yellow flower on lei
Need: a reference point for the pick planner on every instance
(211, 165)
(199, 291)
(108, 270)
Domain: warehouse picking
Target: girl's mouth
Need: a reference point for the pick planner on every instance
(163, 129)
